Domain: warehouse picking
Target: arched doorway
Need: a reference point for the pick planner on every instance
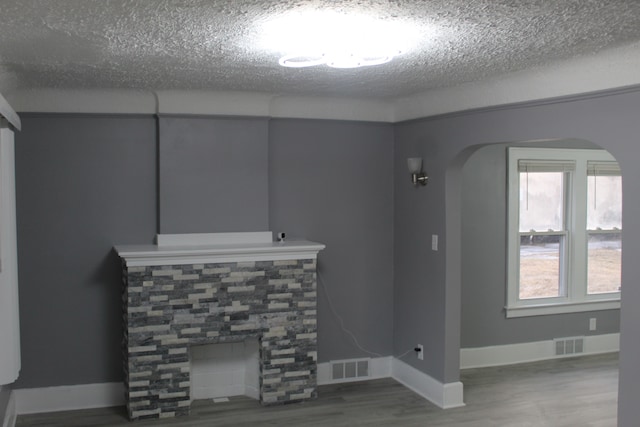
(476, 261)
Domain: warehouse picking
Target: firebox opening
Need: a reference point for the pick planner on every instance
(225, 369)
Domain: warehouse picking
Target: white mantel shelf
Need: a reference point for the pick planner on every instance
(154, 255)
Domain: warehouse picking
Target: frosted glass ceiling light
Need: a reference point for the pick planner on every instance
(301, 61)
(337, 40)
(354, 61)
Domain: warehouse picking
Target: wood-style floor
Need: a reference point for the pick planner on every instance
(576, 392)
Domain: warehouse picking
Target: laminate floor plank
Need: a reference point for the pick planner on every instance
(573, 392)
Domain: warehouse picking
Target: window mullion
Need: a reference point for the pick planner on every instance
(578, 230)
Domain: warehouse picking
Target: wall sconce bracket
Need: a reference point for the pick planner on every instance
(419, 178)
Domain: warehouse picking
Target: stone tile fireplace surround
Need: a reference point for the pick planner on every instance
(217, 288)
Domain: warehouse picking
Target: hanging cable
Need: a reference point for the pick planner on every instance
(341, 320)
(405, 353)
(344, 329)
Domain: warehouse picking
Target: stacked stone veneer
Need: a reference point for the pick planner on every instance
(169, 308)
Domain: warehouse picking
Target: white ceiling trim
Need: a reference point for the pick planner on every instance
(609, 69)
(200, 103)
(331, 108)
(213, 103)
(268, 105)
(83, 101)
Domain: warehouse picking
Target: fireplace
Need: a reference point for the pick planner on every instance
(217, 288)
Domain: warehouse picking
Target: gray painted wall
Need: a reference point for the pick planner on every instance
(213, 174)
(332, 182)
(484, 259)
(419, 289)
(88, 182)
(427, 288)
(84, 183)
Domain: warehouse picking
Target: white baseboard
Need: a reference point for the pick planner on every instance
(63, 398)
(379, 367)
(445, 396)
(86, 396)
(509, 354)
(449, 395)
(10, 415)
(66, 398)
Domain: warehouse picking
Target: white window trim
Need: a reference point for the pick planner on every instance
(577, 299)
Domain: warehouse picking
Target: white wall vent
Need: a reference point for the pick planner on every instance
(350, 369)
(569, 346)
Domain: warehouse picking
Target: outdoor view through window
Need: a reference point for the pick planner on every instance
(604, 228)
(542, 235)
(548, 229)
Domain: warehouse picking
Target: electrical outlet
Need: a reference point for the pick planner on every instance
(434, 242)
(421, 352)
(592, 324)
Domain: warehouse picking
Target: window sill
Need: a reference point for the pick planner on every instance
(561, 308)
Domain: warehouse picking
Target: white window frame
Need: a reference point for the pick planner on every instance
(574, 257)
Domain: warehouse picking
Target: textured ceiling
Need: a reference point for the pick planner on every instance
(214, 44)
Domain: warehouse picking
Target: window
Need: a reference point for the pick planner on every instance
(564, 231)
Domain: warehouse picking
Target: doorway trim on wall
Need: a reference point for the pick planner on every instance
(10, 414)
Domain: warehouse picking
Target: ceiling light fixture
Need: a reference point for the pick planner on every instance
(336, 40)
(351, 60)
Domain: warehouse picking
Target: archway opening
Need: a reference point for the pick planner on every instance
(477, 253)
